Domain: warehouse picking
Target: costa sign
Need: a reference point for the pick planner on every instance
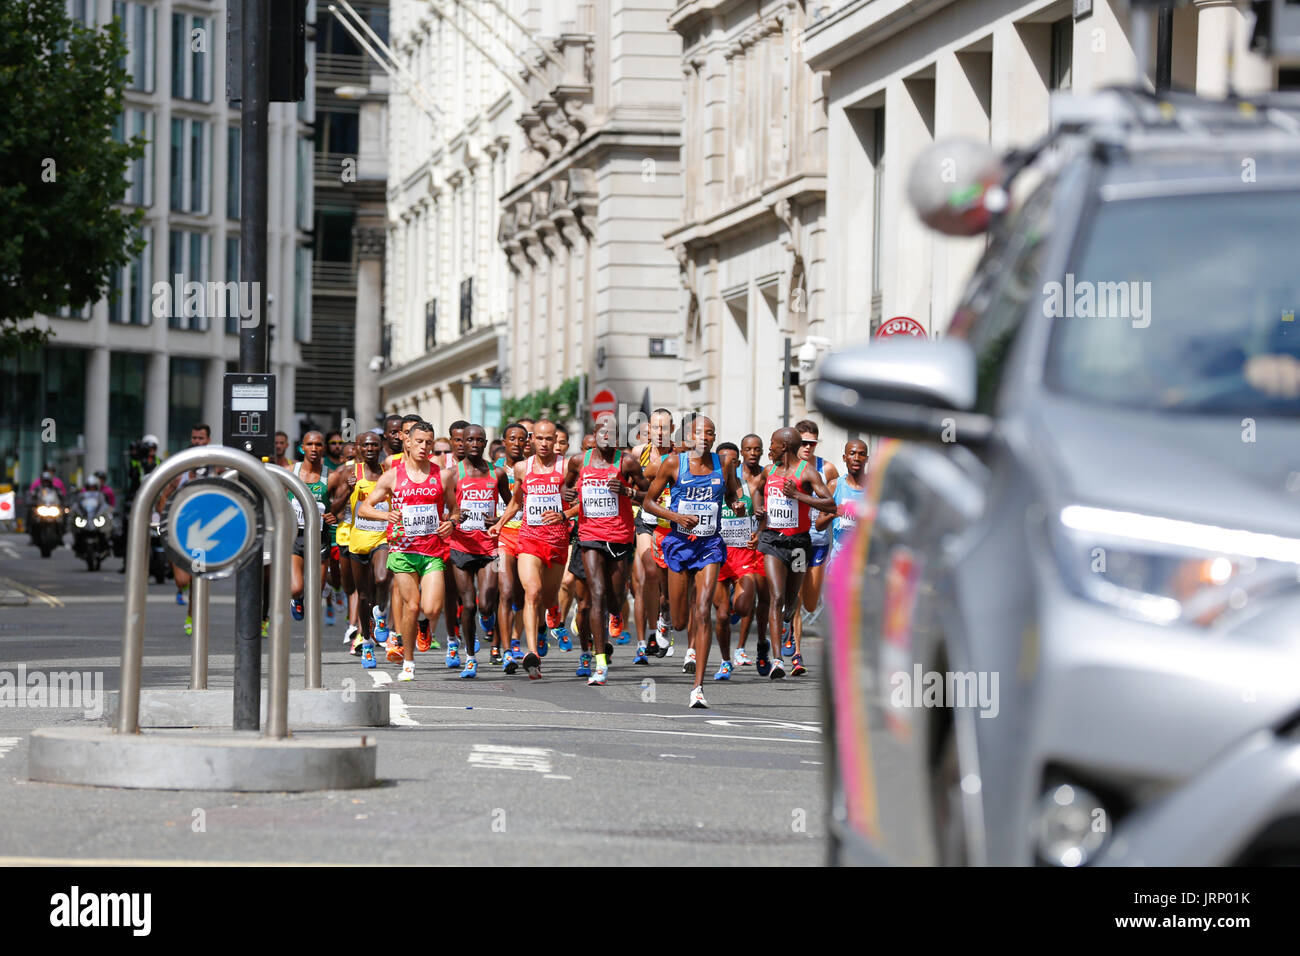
(900, 325)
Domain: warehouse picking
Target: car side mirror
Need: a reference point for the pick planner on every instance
(905, 387)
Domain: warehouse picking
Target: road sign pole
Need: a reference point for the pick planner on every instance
(785, 384)
(199, 640)
(254, 142)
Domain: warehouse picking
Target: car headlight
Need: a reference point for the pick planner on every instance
(101, 520)
(79, 521)
(1169, 571)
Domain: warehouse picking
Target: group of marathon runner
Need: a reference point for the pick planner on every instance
(702, 539)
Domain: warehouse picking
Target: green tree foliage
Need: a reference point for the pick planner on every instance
(542, 403)
(61, 228)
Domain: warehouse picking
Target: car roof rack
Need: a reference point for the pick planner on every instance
(1120, 114)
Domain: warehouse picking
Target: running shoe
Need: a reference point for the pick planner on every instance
(697, 699)
(796, 666)
(541, 645)
(762, 665)
(735, 620)
(350, 634)
(597, 678)
(394, 648)
(668, 651)
(189, 625)
(476, 645)
(453, 655)
(329, 612)
(787, 639)
(739, 658)
(495, 655)
(368, 655)
(381, 625)
(422, 640)
(356, 644)
(553, 619)
(778, 669)
(265, 625)
(640, 654)
(510, 663)
(662, 637)
(561, 635)
(408, 671)
(180, 598)
(295, 608)
(724, 672)
(471, 669)
(584, 665)
(688, 665)
(533, 664)
(625, 637)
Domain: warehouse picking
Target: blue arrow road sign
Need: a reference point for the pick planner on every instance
(213, 524)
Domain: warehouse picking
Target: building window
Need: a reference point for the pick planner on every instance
(130, 287)
(139, 174)
(466, 305)
(184, 399)
(140, 26)
(191, 43)
(187, 261)
(431, 325)
(303, 205)
(232, 171)
(190, 166)
(1062, 53)
(302, 294)
(232, 275)
(82, 11)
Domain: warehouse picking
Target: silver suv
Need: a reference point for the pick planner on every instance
(1068, 630)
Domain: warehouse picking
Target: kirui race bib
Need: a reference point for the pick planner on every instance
(420, 520)
(781, 512)
(707, 511)
(598, 501)
(736, 532)
(539, 504)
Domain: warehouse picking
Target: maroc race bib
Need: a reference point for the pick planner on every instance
(539, 504)
(420, 520)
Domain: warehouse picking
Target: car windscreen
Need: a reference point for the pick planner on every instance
(1182, 303)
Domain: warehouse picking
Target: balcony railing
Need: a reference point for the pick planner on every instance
(328, 167)
(341, 69)
(333, 275)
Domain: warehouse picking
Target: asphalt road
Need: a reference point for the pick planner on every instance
(501, 770)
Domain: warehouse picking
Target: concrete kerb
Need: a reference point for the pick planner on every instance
(317, 707)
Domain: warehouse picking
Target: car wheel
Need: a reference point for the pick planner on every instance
(946, 799)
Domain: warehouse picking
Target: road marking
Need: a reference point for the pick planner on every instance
(815, 763)
(680, 756)
(149, 599)
(502, 757)
(106, 861)
(397, 713)
(36, 595)
(811, 726)
(764, 723)
(627, 730)
(7, 744)
(556, 776)
(8, 550)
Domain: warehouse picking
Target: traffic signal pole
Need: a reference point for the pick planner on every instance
(253, 351)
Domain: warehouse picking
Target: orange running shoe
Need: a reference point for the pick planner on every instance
(422, 640)
(553, 619)
(394, 647)
(615, 625)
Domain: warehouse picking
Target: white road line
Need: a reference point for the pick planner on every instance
(679, 756)
(7, 744)
(815, 763)
(809, 726)
(149, 599)
(503, 757)
(625, 730)
(556, 776)
(38, 595)
(397, 712)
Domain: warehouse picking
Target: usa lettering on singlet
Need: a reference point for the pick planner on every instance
(699, 495)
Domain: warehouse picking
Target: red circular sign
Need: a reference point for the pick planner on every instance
(603, 403)
(900, 325)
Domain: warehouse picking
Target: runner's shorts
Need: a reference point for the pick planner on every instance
(400, 562)
(618, 551)
(550, 551)
(363, 557)
(740, 563)
(300, 544)
(471, 562)
(786, 548)
(508, 542)
(656, 547)
(682, 552)
(576, 567)
(820, 553)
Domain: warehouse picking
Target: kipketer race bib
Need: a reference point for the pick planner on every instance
(599, 502)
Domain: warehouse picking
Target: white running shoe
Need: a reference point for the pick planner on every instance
(739, 658)
(350, 633)
(408, 671)
(661, 633)
(697, 699)
(597, 678)
(778, 669)
(688, 665)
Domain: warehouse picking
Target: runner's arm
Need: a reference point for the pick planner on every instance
(667, 471)
(821, 498)
(823, 520)
(338, 495)
(383, 488)
(450, 505)
(572, 472)
(734, 497)
(516, 502)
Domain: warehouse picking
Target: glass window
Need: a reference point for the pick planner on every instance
(190, 166)
(178, 164)
(126, 399)
(185, 400)
(138, 24)
(233, 134)
(199, 59)
(232, 275)
(178, 55)
(187, 253)
(130, 289)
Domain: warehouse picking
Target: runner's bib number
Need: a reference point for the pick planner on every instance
(707, 511)
(420, 520)
(539, 504)
(297, 511)
(598, 501)
(781, 511)
(736, 532)
(369, 524)
(478, 514)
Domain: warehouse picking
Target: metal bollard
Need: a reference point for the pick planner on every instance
(199, 641)
(311, 576)
(277, 519)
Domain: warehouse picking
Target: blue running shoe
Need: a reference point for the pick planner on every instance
(368, 655)
(476, 642)
(381, 626)
(640, 654)
(724, 672)
(541, 645)
(295, 608)
(516, 650)
(735, 620)
(584, 665)
(787, 639)
(625, 638)
(180, 598)
(453, 655)
(329, 613)
(510, 663)
(561, 635)
(762, 663)
(471, 669)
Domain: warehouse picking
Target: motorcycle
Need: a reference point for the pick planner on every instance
(47, 521)
(92, 520)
